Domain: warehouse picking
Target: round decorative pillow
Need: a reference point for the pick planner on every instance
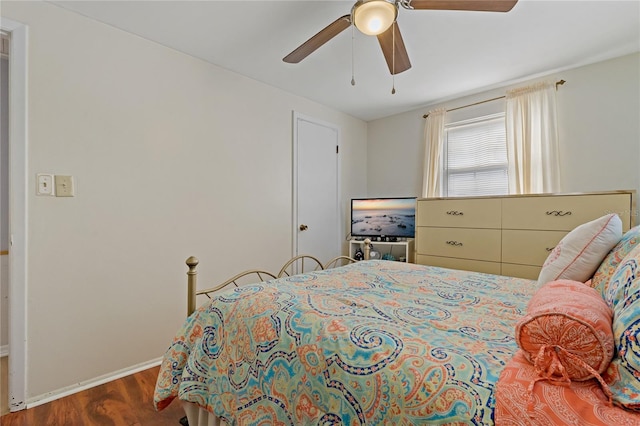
(566, 333)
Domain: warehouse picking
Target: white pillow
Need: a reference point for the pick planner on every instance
(581, 251)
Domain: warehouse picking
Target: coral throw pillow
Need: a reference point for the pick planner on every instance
(566, 333)
(580, 252)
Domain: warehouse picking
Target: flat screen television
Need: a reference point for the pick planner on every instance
(391, 218)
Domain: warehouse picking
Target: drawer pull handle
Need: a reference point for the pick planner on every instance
(559, 213)
(455, 213)
(454, 243)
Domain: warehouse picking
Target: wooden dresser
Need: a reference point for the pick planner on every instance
(509, 235)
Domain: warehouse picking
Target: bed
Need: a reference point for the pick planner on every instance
(349, 343)
(374, 342)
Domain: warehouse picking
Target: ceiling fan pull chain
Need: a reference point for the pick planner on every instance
(353, 78)
(393, 58)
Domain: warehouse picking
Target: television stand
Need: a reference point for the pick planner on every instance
(399, 250)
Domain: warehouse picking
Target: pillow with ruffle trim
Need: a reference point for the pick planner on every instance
(578, 255)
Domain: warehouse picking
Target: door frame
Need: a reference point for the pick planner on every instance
(18, 209)
(297, 117)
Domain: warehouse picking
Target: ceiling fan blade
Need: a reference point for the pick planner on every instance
(477, 5)
(393, 49)
(326, 34)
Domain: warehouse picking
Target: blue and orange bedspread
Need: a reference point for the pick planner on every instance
(375, 343)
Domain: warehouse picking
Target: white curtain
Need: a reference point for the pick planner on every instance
(532, 139)
(433, 141)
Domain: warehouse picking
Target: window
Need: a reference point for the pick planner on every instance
(475, 157)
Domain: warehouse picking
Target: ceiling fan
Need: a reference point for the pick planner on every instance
(378, 17)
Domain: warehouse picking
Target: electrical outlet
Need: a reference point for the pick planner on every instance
(64, 186)
(44, 184)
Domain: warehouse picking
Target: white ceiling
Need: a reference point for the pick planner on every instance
(453, 53)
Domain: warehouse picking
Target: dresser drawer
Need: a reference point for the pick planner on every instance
(477, 244)
(529, 247)
(521, 271)
(465, 213)
(463, 264)
(563, 213)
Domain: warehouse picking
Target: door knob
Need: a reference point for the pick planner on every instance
(303, 227)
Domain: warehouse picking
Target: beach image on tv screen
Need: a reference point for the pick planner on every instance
(383, 217)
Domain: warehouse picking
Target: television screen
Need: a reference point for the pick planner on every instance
(383, 217)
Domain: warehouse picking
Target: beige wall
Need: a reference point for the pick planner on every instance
(599, 131)
(172, 157)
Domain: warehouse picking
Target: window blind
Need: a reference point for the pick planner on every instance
(476, 158)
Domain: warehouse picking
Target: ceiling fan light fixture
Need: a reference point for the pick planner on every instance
(373, 17)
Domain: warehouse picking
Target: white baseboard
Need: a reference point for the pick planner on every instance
(69, 390)
(4, 350)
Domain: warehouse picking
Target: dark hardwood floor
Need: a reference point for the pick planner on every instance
(126, 401)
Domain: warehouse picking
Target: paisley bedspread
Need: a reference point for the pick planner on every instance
(375, 343)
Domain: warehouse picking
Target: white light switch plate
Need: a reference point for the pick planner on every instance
(44, 184)
(64, 186)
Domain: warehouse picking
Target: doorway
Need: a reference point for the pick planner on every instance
(4, 221)
(316, 212)
(17, 212)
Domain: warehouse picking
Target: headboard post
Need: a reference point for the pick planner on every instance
(192, 262)
(367, 249)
